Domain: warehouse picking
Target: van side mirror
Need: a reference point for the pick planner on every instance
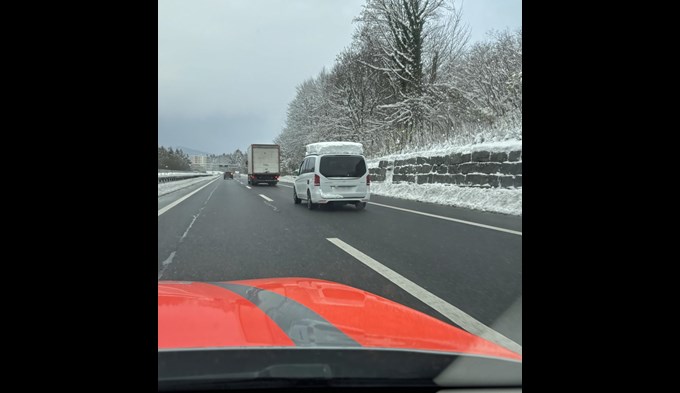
(296, 172)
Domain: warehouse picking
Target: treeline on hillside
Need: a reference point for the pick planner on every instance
(409, 79)
(175, 160)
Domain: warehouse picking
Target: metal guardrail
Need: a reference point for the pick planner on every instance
(174, 171)
(168, 176)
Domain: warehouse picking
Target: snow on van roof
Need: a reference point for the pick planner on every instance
(335, 148)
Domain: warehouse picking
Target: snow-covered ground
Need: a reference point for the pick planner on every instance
(166, 188)
(176, 174)
(499, 200)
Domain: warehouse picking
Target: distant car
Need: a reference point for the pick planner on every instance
(333, 173)
(228, 175)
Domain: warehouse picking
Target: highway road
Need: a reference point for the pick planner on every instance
(461, 266)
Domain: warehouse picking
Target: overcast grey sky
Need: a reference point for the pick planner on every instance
(227, 69)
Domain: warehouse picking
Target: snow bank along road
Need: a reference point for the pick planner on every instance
(461, 266)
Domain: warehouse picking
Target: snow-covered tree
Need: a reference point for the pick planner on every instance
(173, 159)
(238, 159)
(407, 79)
(413, 40)
(302, 123)
(491, 75)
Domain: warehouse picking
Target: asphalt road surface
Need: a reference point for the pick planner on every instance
(461, 266)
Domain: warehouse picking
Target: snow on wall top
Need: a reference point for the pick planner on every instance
(335, 148)
(446, 149)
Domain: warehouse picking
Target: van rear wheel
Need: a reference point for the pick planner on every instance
(360, 205)
(310, 205)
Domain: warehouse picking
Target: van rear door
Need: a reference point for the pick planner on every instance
(343, 176)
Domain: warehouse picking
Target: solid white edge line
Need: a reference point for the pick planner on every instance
(266, 198)
(458, 316)
(449, 219)
(248, 187)
(177, 202)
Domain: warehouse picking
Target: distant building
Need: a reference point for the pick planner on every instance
(213, 163)
(199, 160)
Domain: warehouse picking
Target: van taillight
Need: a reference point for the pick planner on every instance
(368, 180)
(317, 180)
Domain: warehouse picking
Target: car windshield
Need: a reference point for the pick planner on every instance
(339, 193)
(342, 166)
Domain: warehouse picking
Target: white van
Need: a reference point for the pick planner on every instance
(335, 173)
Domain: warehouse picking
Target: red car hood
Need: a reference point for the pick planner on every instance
(288, 312)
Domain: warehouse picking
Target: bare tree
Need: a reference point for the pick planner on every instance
(413, 40)
(491, 76)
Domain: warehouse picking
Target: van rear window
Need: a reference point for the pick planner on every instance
(342, 166)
